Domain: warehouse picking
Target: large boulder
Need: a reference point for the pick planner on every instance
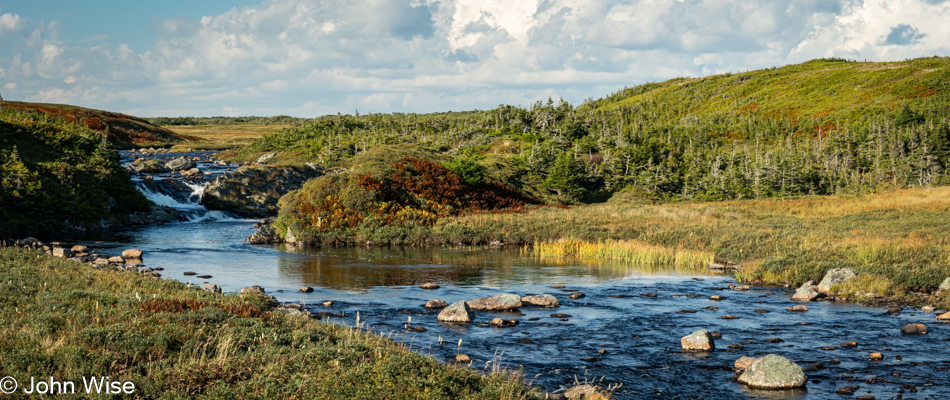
(806, 293)
(253, 191)
(944, 317)
(773, 372)
(541, 300)
(456, 312)
(180, 164)
(498, 302)
(835, 277)
(700, 340)
(132, 254)
(149, 165)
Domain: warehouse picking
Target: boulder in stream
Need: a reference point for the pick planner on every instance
(457, 312)
(944, 317)
(264, 235)
(132, 254)
(773, 372)
(700, 340)
(181, 164)
(436, 303)
(914, 329)
(806, 292)
(498, 302)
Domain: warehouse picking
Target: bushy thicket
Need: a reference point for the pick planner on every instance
(52, 174)
(821, 127)
(392, 189)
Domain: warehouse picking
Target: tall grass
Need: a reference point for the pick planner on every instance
(627, 252)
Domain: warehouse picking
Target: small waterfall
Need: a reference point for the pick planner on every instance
(182, 196)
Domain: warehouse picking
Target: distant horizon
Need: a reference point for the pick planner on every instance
(310, 58)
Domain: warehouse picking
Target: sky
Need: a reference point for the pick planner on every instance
(308, 58)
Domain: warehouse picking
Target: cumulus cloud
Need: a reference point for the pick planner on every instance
(11, 22)
(313, 57)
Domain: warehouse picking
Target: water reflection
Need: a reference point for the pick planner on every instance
(349, 268)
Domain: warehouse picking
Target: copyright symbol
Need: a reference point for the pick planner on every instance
(8, 385)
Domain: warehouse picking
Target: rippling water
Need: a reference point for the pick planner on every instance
(640, 335)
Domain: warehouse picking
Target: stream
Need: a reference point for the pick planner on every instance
(613, 336)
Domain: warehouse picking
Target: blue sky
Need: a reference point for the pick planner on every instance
(314, 57)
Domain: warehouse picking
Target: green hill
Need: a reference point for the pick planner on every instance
(55, 176)
(123, 130)
(821, 127)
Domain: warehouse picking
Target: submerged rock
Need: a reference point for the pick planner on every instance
(806, 292)
(498, 302)
(773, 372)
(253, 191)
(835, 277)
(457, 312)
(700, 340)
(541, 300)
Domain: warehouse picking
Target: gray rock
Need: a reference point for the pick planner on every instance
(211, 287)
(835, 277)
(180, 164)
(807, 292)
(914, 329)
(541, 300)
(263, 159)
(457, 312)
(253, 289)
(498, 302)
(700, 340)
(773, 372)
(945, 286)
(150, 165)
(264, 235)
(253, 191)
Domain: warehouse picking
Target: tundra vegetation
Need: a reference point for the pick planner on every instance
(68, 320)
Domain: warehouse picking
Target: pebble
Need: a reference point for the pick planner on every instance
(848, 345)
(875, 356)
(686, 312)
(799, 308)
(328, 303)
(429, 286)
(560, 315)
(576, 295)
(648, 294)
(761, 311)
(711, 308)
(716, 297)
(729, 316)
(774, 340)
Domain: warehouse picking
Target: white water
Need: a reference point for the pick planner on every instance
(192, 210)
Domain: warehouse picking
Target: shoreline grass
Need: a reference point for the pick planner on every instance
(68, 320)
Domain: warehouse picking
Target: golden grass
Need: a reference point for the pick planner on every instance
(627, 252)
(219, 137)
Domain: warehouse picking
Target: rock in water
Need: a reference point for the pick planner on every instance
(498, 302)
(306, 289)
(253, 191)
(914, 329)
(132, 254)
(457, 312)
(436, 303)
(253, 289)
(835, 277)
(541, 300)
(148, 165)
(944, 317)
(429, 286)
(264, 235)
(700, 340)
(742, 363)
(807, 292)
(773, 372)
(180, 164)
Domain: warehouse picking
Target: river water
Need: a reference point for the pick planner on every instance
(639, 335)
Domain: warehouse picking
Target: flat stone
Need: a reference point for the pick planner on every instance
(700, 340)
(541, 300)
(797, 309)
(498, 302)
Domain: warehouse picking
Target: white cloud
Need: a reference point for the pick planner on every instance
(311, 57)
(10, 86)
(11, 22)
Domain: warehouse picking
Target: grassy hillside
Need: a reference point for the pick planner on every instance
(122, 130)
(55, 176)
(68, 320)
(821, 127)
